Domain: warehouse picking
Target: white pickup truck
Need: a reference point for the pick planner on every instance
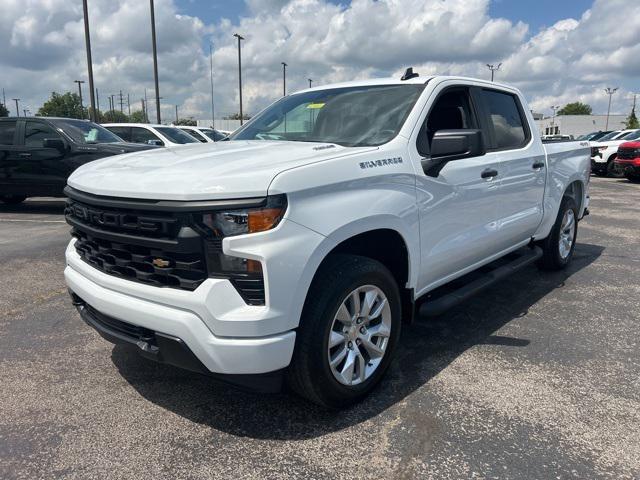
(296, 249)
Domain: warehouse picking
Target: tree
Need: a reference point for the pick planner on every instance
(236, 116)
(3, 111)
(115, 116)
(575, 108)
(632, 120)
(137, 117)
(189, 122)
(63, 105)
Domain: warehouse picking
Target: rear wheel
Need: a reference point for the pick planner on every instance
(13, 199)
(559, 245)
(348, 331)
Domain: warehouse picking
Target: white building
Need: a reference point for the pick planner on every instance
(579, 124)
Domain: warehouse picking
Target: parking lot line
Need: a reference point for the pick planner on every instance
(30, 221)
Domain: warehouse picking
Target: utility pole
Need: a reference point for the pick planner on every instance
(146, 107)
(121, 102)
(97, 107)
(113, 102)
(213, 109)
(17, 108)
(284, 79)
(80, 82)
(176, 114)
(155, 59)
(24, 111)
(309, 82)
(4, 98)
(129, 104)
(493, 69)
(239, 37)
(93, 115)
(609, 91)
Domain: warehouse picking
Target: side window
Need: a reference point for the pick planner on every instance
(142, 135)
(7, 132)
(122, 132)
(451, 111)
(506, 119)
(195, 134)
(36, 132)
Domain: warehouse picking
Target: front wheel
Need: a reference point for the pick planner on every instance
(613, 169)
(559, 245)
(348, 331)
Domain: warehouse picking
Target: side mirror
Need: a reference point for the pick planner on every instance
(157, 143)
(449, 145)
(55, 143)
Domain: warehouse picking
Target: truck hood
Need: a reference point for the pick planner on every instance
(204, 171)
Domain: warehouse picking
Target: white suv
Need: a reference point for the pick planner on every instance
(203, 134)
(162, 135)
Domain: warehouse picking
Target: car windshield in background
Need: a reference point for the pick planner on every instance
(176, 135)
(632, 135)
(83, 131)
(351, 116)
(609, 136)
(212, 134)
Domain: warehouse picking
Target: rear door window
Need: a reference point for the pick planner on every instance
(7, 132)
(506, 120)
(123, 132)
(196, 134)
(142, 135)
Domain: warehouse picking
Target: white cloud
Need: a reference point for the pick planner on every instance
(571, 60)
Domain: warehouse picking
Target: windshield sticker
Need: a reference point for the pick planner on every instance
(315, 105)
(381, 163)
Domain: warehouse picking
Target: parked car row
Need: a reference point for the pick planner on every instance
(605, 151)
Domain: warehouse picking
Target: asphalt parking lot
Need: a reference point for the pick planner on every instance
(539, 377)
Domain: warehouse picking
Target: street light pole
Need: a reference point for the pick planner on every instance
(309, 82)
(213, 109)
(155, 60)
(609, 91)
(80, 82)
(493, 69)
(284, 79)
(554, 108)
(239, 37)
(93, 115)
(176, 114)
(17, 108)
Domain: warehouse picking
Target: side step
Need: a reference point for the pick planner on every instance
(449, 295)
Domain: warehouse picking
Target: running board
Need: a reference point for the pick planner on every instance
(449, 295)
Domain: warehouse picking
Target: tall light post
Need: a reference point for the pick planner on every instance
(17, 108)
(609, 91)
(176, 114)
(155, 59)
(239, 37)
(310, 80)
(213, 109)
(554, 108)
(493, 69)
(80, 82)
(93, 115)
(284, 79)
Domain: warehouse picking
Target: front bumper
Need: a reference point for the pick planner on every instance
(629, 167)
(223, 355)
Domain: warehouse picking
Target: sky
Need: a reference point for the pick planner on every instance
(556, 51)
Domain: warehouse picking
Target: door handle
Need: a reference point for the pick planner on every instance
(24, 155)
(489, 173)
(538, 165)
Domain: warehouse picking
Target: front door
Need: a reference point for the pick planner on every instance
(458, 206)
(9, 158)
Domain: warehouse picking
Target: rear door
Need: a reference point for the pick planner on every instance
(9, 158)
(520, 161)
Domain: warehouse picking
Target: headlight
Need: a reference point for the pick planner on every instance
(239, 222)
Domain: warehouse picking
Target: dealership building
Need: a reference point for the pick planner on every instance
(579, 124)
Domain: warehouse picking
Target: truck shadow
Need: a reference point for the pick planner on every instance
(426, 348)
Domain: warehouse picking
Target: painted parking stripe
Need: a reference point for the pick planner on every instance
(30, 221)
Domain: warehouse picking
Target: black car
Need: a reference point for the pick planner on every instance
(38, 154)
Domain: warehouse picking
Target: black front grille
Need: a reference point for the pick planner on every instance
(148, 247)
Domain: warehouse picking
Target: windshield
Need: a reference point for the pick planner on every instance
(212, 134)
(176, 135)
(632, 135)
(82, 131)
(352, 116)
(609, 136)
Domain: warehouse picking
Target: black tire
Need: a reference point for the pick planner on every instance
(552, 259)
(601, 172)
(613, 170)
(13, 199)
(309, 374)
